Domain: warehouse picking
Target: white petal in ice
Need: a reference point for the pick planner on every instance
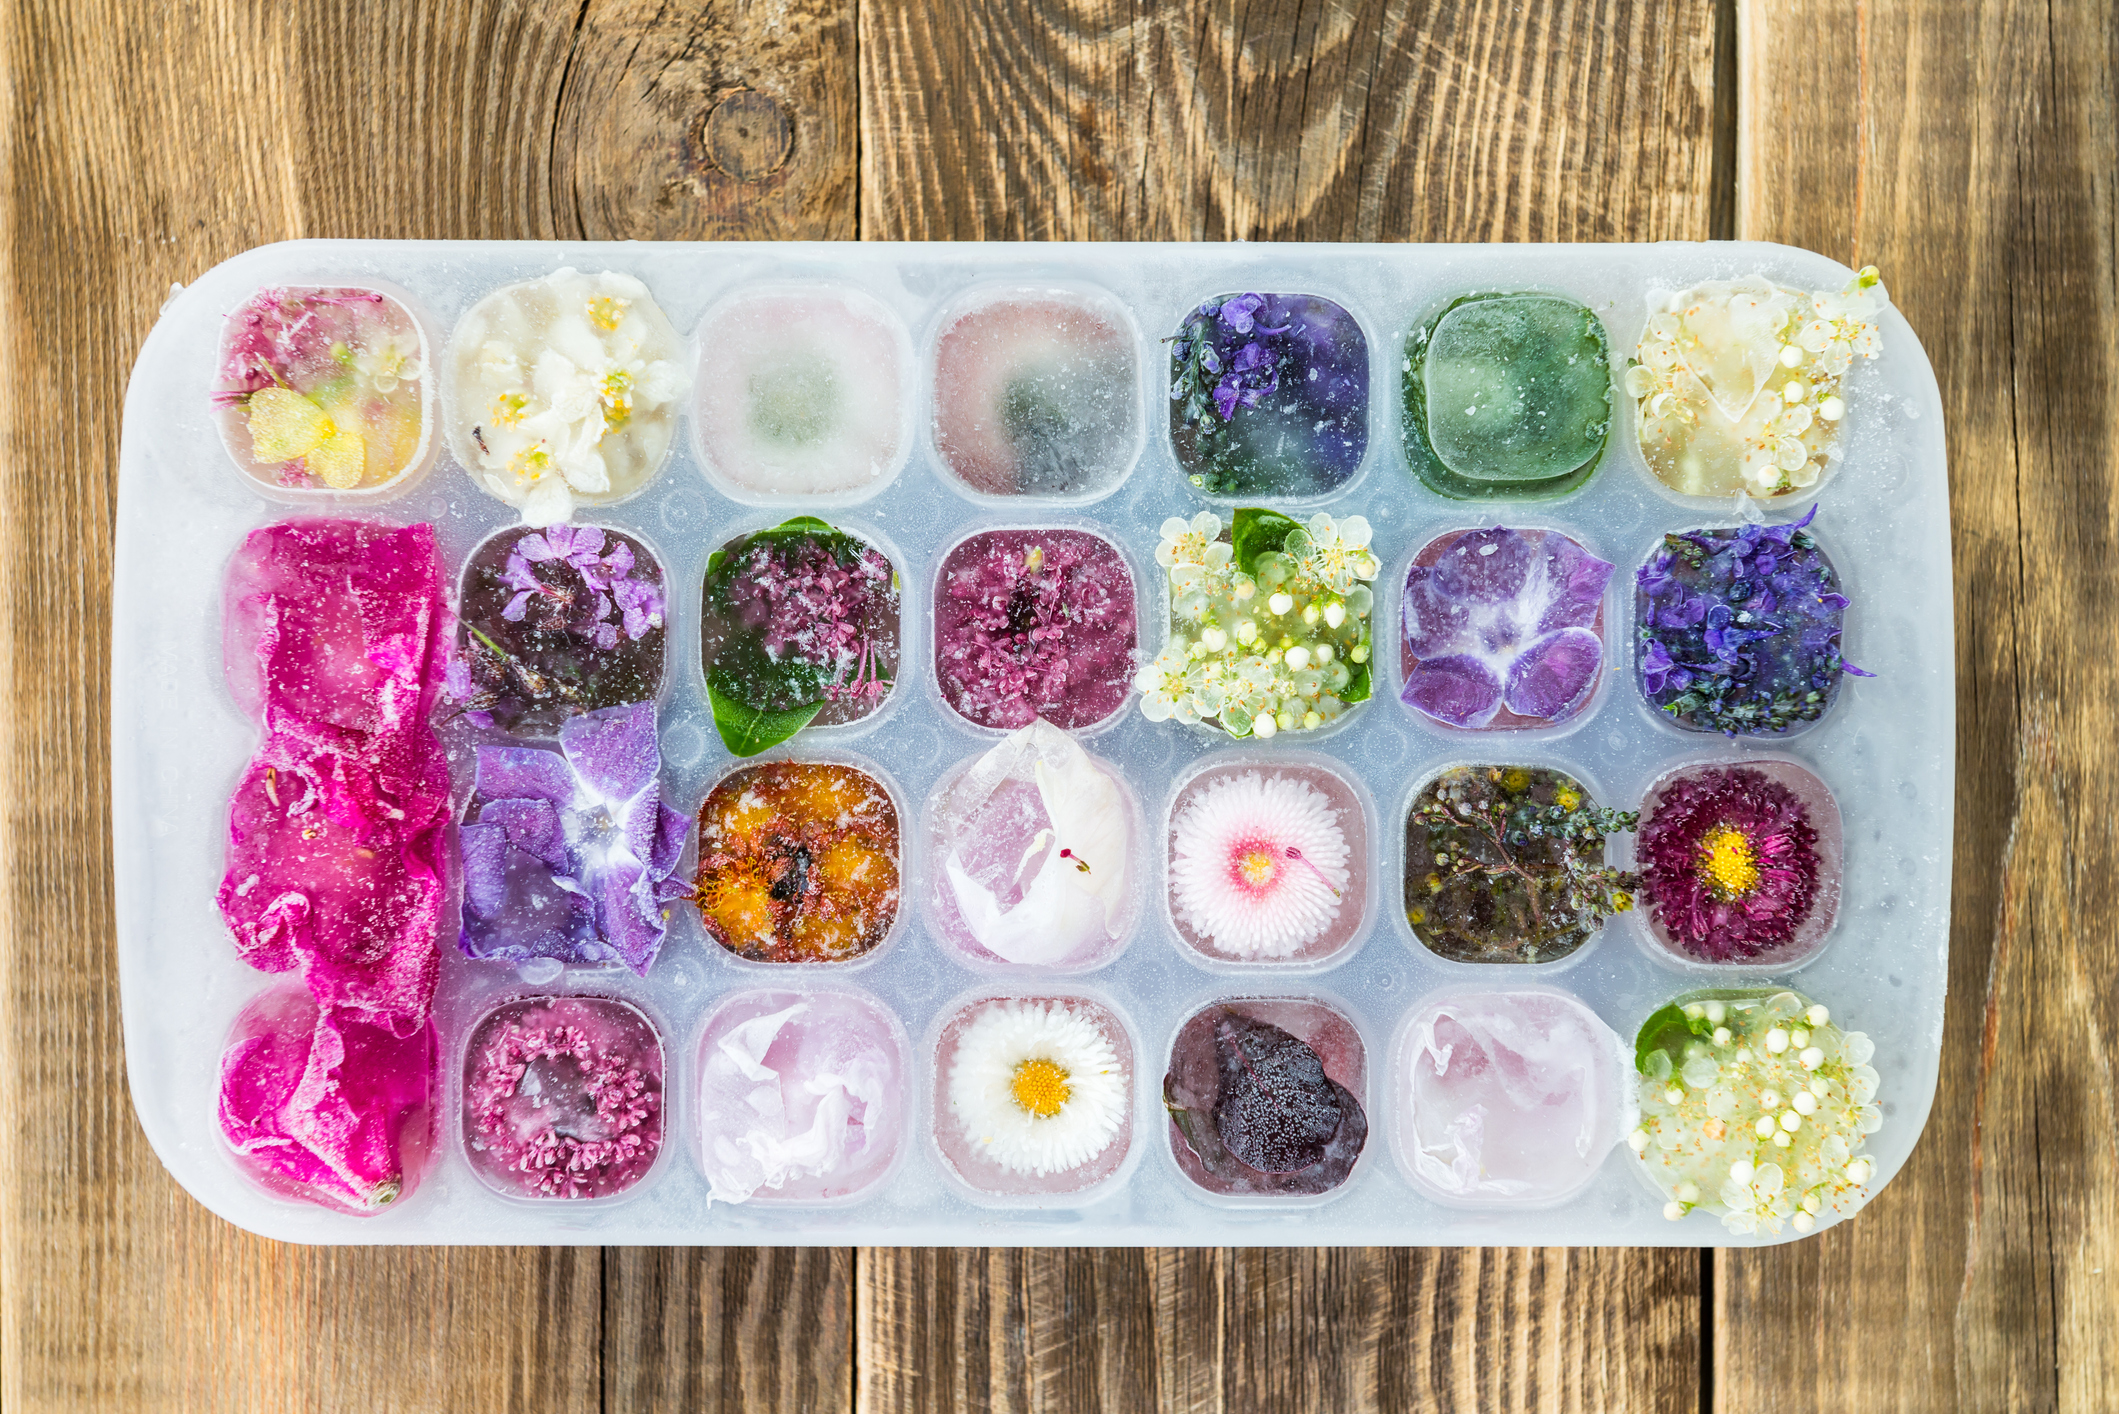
(757, 1146)
(1258, 864)
(1074, 874)
(993, 1051)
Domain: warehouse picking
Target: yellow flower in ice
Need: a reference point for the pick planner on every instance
(285, 427)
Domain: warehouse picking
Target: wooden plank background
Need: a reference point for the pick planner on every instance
(1968, 149)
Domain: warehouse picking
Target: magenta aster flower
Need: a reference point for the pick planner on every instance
(1730, 863)
(1035, 623)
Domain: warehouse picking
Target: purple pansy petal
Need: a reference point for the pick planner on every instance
(1554, 674)
(614, 752)
(628, 917)
(485, 859)
(532, 826)
(671, 827)
(588, 544)
(1433, 620)
(517, 607)
(1577, 581)
(1485, 566)
(1460, 690)
(523, 773)
(539, 546)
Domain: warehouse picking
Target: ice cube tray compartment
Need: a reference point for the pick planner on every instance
(1885, 749)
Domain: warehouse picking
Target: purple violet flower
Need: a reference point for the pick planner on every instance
(572, 854)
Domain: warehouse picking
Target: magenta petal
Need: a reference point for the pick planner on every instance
(1459, 690)
(1433, 620)
(1553, 675)
(1578, 579)
(1486, 566)
(318, 1104)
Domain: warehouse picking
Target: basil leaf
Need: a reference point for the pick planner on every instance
(746, 730)
(1656, 1030)
(1256, 531)
(1358, 687)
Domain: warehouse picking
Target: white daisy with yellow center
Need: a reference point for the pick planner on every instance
(1037, 1087)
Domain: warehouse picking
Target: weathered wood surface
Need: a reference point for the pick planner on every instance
(1969, 151)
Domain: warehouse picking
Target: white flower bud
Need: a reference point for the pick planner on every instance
(1805, 1103)
(1265, 725)
(1637, 1141)
(1334, 614)
(1673, 1211)
(1858, 1171)
(1298, 658)
(1791, 1121)
(1803, 1222)
(1798, 1038)
(1323, 653)
(1812, 1203)
(1764, 1126)
(1796, 391)
(1791, 355)
(1741, 1171)
(1776, 1040)
(1811, 1058)
(1817, 1015)
(1311, 614)
(1769, 1099)
(1214, 639)
(1246, 631)
(1831, 410)
(1782, 1141)
(1282, 602)
(1716, 1013)
(1673, 1096)
(1360, 653)
(1721, 1035)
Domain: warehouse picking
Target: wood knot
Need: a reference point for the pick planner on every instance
(748, 135)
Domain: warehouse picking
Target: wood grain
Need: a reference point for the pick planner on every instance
(1969, 152)
(1278, 1329)
(1344, 120)
(144, 144)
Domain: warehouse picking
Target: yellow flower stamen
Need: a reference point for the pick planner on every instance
(1257, 867)
(1728, 862)
(1041, 1088)
(606, 311)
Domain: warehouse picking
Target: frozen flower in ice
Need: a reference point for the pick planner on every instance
(1737, 385)
(574, 381)
(320, 1104)
(326, 386)
(1263, 601)
(558, 622)
(801, 623)
(1038, 876)
(1730, 862)
(1037, 1087)
(1738, 629)
(572, 852)
(1269, 395)
(1335, 555)
(1504, 620)
(1035, 625)
(1259, 1109)
(1258, 865)
(798, 862)
(1755, 1106)
(563, 1097)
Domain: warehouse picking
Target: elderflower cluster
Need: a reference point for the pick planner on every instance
(1279, 645)
(1737, 383)
(1758, 1113)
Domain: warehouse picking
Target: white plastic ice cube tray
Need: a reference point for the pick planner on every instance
(1885, 749)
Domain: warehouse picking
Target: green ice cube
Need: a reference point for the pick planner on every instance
(1507, 397)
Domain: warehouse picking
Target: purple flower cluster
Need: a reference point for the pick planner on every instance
(1032, 624)
(584, 608)
(1269, 395)
(1739, 629)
